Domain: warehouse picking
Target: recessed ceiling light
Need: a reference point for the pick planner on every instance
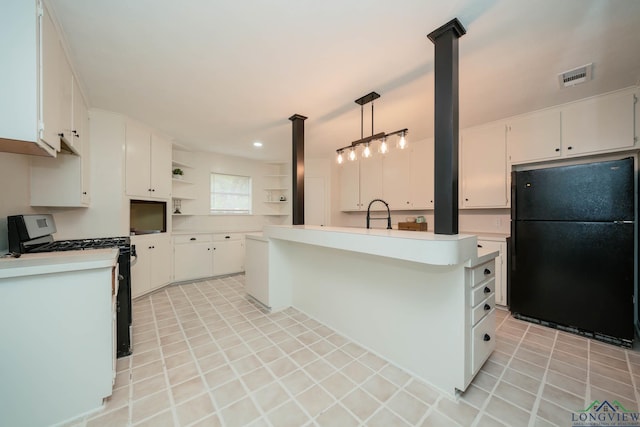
(257, 144)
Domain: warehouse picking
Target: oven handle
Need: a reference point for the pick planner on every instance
(134, 255)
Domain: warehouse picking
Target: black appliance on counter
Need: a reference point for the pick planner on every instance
(572, 260)
(33, 234)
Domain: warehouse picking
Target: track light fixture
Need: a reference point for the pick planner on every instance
(383, 147)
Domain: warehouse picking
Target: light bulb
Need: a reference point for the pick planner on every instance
(402, 144)
(384, 147)
(340, 158)
(366, 153)
(352, 154)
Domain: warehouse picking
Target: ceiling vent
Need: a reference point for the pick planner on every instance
(576, 76)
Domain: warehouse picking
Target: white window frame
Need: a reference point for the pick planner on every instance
(239, 210)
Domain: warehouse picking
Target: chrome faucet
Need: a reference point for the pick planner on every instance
(388, 218)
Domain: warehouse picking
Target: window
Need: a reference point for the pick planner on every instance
(230, 194)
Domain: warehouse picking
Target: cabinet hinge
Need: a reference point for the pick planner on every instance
(635, 99)
(40, 129)
(40, 9)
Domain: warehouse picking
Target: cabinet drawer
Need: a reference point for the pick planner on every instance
(227, 236)
(483, 309)
(483, 291)
(482, 272)
(483, 341)
(192, 238)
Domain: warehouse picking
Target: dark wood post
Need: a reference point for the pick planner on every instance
(446, 125)
(297, 163)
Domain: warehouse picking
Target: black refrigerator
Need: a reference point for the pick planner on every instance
(572, 249)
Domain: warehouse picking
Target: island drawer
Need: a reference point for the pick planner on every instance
(482, 272)
(192, 238)
(483, 291)
(482, 309)
(483, 341)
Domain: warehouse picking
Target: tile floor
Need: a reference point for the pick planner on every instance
(205, 355)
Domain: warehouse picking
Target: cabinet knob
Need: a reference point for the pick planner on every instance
(153, 189)
(84, 192)
(486, 337)
(193, 238)
(479, 246)
(149, 189)
(557, 149)
(407, 202)
(61, 135)
(487, 307)
(487, 272)
(569, 148)
(227, 237)
(466, 200)
(487, 290)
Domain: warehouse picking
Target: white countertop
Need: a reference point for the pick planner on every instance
(56, 262)
(183, 232)
(422, 247)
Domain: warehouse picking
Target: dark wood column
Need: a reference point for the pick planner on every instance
(445, 40)
(297, 163)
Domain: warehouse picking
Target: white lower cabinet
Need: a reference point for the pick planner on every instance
(201, 255)
(228, 254)
(192, 257)
(151, 268)
(482, 284)
(491, 244)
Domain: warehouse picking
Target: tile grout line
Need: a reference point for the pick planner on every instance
(543, 383)
(482, 410)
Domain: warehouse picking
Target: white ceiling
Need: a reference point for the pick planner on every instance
(219, 75)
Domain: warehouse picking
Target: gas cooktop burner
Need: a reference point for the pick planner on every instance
(80, 244)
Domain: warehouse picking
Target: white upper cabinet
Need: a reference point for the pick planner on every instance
(396, 178)
(370, 181)
(148, 163)
(534, 137)
(599, 124)
(38, 87)
(421, 166)
(484, 167)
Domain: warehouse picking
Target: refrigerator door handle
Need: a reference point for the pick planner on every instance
(623, 222)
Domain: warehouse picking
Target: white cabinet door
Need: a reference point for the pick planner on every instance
(65, 107)
(51, 54)
(600, 124)
(350, 186)
(396, 178)
(160, 174)
(484, 167)
(160, 261)
(370, 181)
(192, 261)
(534, 137)
(137, 162)
(228, 257)
(422, 178)
(257, 274)
(152, 266)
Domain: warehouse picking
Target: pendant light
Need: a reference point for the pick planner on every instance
(383, 146)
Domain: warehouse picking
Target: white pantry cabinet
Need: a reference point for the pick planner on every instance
(192, 257)
(151, 268)
(147, 163)
(228, 253)
(350, 186)
(484, 167)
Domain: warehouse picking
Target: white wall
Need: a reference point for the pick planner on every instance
(14, 191)
(201, 166)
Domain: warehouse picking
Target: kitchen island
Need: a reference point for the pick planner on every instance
(424, 302)
(57, 322)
